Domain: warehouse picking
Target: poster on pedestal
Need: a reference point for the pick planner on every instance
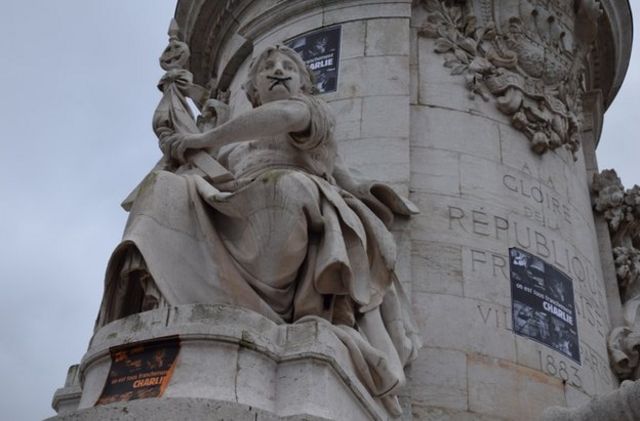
(543, 304)
(140, 370)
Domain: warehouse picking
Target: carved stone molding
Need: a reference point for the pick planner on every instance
(627, 261)
(530, 57)
(624, 341)
(624, 346)
(620, 208)
(609, 197)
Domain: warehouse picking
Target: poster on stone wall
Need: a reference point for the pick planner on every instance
(543, 303)
(320, 50)
(140, 370)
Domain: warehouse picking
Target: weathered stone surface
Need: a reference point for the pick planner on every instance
(348, 126)
(435, 170)
(466, 315)
(437, 268)
(486, 276)
(363, 155)
(366, 9)
(508, 391)
(301, 23)
(381, 75)
(448, 130)
(431, 413)
(385, 116)
(380, 43)
(440, 376)
(354, 39)
(620, 405)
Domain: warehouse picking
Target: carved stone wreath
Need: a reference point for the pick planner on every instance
(528, 61)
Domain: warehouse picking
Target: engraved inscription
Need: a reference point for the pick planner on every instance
(546, 207)
(590, 300)
(499, 263)
(556, 366)
(561, 255)
(537, 194)
(550, 362)
(498, 317)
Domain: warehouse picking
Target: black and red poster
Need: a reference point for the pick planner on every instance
(140, 370)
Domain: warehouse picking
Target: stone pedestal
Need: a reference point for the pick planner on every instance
(232, 363)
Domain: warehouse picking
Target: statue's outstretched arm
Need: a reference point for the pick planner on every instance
(270, 119)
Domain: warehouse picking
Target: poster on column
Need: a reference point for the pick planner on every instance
(543, 303)
(320, 50)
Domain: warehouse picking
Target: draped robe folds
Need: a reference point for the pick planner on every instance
(287, 242)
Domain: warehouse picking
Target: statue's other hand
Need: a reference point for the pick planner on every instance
(383, 200)
(175, 145)
(163, 138)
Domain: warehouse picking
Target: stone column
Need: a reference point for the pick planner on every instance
(489, 174)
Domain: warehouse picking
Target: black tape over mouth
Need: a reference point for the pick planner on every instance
(278, 81)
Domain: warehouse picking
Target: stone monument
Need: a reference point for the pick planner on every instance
(263, 275)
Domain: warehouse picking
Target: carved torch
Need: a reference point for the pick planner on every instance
(174, 115)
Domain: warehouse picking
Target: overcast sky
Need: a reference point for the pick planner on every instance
(79, 89)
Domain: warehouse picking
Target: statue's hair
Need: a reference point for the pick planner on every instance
(306, 75)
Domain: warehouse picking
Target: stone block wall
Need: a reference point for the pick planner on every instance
(481, 191)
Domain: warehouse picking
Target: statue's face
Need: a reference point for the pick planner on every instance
(278, 78)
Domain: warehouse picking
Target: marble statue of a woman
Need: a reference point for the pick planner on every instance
(291, 237)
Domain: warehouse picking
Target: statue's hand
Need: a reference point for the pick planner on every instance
(382, 200)
(175, 145)
(163, 134)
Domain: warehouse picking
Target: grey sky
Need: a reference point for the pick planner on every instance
(78, 94)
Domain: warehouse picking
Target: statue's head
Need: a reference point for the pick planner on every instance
(277, 73)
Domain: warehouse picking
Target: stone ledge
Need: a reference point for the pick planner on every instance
(176, 409)
(65, 399)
